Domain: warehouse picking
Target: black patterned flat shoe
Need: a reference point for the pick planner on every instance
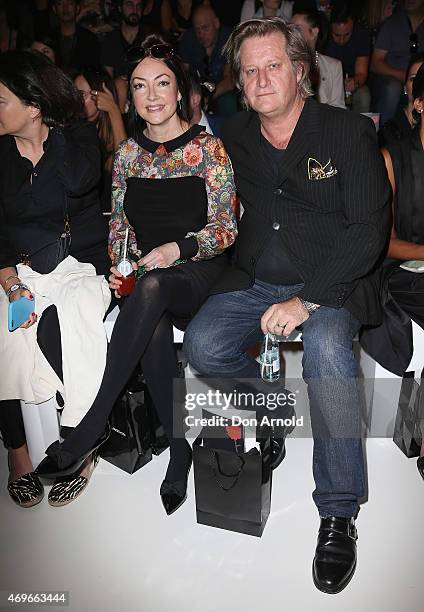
(67, 489)
(26, 491)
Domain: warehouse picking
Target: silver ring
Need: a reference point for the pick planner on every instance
(95, 93)
(155, 266)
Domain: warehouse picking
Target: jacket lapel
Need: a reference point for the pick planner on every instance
(252, 139)
(308, 124)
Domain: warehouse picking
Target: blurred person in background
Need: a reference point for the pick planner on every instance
(182, 13)
(101, 108)
(275, 8)
(400, 37)
(330, 85)
(158, 14)
(200, 48)
(45, 44)
(77, 48)
(8, 34)
(375, 14)
(349, 43)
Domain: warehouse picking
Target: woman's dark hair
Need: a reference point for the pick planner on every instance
(47, 41)
(418, 91)
(417, 57)
(154, 43)
(316, 19)
(36, 81)
(96, 78)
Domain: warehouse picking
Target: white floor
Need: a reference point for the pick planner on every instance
(114, 549)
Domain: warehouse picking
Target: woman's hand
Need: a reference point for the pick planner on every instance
(16, 295)
(114, 282)
(105, 101)
(161, 257)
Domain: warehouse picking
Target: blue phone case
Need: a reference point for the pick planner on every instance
(19, 312)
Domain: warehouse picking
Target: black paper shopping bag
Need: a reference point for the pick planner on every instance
(233, 490)
(129, 444)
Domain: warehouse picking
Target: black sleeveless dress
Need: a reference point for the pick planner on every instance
(391, 343)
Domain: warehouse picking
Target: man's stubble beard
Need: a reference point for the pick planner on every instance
(132, 20)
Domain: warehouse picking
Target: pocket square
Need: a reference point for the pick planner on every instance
(317, 172)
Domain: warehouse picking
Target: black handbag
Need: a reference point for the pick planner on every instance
(233, 490)
(129, 444)
(407, 433)
(44, 259)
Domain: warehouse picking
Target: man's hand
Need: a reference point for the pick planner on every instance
(350, 84)
(283, 318)
(161, 257)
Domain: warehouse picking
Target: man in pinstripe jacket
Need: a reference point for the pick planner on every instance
(315, 224)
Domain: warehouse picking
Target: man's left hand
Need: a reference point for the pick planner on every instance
(281, 319)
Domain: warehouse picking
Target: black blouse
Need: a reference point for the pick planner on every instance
(32, 199)
(408, 168)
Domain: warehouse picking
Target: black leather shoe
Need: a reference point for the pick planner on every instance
(335, 556)
(174, 494)
(420, 466)
(59, 462)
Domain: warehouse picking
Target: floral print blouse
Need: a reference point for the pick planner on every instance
(202, 155)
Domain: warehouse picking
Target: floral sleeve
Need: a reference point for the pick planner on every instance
(118, 220)
(221, 229)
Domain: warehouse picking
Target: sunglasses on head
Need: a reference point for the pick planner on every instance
(413, 43)
(160, 51)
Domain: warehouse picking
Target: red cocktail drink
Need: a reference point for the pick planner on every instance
(128, 283)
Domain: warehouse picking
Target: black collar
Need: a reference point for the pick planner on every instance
(171, 145)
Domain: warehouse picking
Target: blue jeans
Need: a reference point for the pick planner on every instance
(387, 92)
(215, 344)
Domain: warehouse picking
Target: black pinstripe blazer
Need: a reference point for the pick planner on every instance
(330, 204)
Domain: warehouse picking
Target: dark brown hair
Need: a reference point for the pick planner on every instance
(37, 82)
(135, 55)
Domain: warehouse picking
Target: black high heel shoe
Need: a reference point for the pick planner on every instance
(174, 494)
(420, 466)
(59, 463)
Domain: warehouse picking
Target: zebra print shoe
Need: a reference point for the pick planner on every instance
(26, 491)
(68, 488)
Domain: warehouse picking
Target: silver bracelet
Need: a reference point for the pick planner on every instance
(311, 307)
(15, 287)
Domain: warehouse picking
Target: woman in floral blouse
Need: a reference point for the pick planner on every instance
(173, 189)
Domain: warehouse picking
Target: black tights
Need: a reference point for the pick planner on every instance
(143, 331)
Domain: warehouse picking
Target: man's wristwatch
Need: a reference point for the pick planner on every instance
(15, 287)
(310, 306)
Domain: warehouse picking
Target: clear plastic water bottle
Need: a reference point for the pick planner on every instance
(270, 359)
